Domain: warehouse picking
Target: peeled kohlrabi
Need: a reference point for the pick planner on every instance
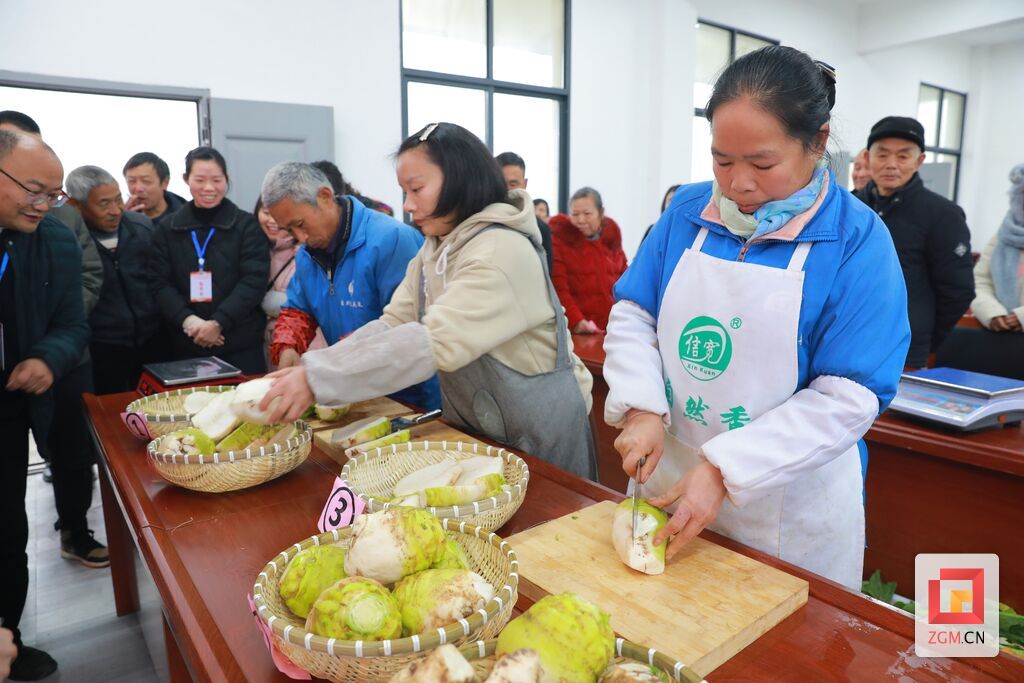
(189, 441)
(247, 399)
(444, 473)
(482, 487)
(356, 608)
(478, 466)
(453, 557)
(331, 413)
(573, 637)
(400, 436)
(196, 401)
(361, 431)
(631, 672)
(217, 418)
(521, 666)
(389, 545)
(435, 598)
(310, 573)
(442, 665)
(640, 553)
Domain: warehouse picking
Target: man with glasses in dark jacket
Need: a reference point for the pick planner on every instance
(929, 231)
(43, 332)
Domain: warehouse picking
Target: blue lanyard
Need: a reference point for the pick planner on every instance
(3, 265)
(202, 252)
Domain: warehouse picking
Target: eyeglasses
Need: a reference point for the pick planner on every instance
(53, 199)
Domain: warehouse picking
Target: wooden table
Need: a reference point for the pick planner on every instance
(928, 490)
(204, 551)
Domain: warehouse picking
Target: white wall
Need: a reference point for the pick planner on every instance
(993, 142)
(342, 53)
(631, 104)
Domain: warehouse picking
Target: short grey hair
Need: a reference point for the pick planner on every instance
(584, 192)
(84, 180)
(293, 180)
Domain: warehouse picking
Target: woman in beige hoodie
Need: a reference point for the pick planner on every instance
(476, 306)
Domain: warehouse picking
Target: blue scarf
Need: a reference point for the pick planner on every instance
(1009, 244)
(772, 215)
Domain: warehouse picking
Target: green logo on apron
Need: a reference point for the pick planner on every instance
(668, 392)
(705, 348)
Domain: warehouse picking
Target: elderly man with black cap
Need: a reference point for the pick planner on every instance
(930, 233)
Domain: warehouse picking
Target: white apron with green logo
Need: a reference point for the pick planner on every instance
(728, 335)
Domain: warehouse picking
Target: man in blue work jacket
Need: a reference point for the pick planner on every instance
(351, 261)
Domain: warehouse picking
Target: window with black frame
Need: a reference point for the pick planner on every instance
(717, 47)
(941, 112)
(500, 69)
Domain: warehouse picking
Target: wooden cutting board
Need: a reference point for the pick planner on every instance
(382, 407)
(709, 604)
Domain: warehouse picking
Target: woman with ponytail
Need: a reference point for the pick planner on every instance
(760, 330)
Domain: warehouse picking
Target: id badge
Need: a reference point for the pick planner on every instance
(201, 286)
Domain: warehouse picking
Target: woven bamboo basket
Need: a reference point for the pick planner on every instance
(233, 470)
(373, 475)
(357, 661)
(481, 655)
(165, 412)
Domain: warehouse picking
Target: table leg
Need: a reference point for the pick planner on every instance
(121, 548)
(176, 666)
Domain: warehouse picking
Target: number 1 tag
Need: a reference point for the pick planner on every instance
(201, 286)
(341, 509)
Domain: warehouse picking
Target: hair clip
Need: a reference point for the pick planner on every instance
(829, 70)
(430, 129)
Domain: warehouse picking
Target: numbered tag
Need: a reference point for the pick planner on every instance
(283, 664)
(137, 425)
(342, 508)
(201, 286)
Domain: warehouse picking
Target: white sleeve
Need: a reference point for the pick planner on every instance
(814, 426)
(632, 365)
(370, 363)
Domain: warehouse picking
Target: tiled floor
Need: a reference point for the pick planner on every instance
(70, 608)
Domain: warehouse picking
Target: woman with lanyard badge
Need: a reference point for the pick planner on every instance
(210, 264)
(764, 325)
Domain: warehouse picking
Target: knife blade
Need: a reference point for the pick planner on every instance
(636, 495)
(399, 423)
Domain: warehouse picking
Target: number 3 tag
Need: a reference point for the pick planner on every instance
(341, 509)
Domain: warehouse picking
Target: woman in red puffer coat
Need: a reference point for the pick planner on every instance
(588, 261)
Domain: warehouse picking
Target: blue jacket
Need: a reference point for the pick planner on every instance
(360, 285)
(853, 318)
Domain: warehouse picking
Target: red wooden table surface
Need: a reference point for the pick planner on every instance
(204, 552)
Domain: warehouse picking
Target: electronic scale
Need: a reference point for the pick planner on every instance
(963, 400)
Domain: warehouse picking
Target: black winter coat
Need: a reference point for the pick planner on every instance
(238, 256)
(126, 314)
(934, 246)
(47, 269)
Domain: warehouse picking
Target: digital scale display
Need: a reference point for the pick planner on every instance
(959, 399)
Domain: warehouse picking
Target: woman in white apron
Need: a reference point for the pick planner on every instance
(476, 306)
(760, 331)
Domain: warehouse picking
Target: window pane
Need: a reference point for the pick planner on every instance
(429, 103)
(528, 126)
(952, 120)
(118, 128)
(928, 113)
(745, 44)
(449, 36)
(528, 41)
(939, 173)
(700, 151)
(712, 57)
